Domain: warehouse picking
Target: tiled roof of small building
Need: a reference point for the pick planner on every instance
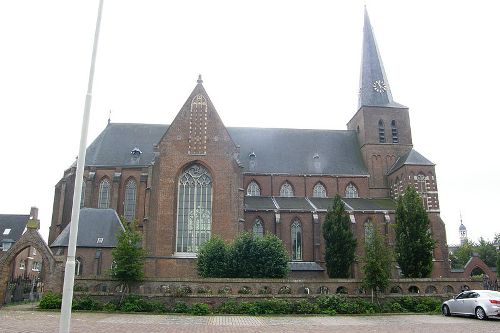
(94, 225)
(16, 224)
(262, 150)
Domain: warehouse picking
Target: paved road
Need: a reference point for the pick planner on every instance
(26, 321)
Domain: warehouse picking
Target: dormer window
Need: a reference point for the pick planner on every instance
(136, 152)
(6, 231)
(394, 131)
(100, 240)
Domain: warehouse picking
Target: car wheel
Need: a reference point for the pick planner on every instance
(445, 310)
(480, 314)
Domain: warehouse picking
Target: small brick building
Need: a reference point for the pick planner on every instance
(196, 178)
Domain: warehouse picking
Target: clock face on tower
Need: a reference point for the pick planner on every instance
(379, 86)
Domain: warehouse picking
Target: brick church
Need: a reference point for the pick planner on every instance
(196, 178)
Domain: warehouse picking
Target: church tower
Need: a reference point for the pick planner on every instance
(382, 125)
(462, 230)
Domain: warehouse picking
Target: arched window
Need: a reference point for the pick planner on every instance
(82, 196)
(421, 183)
(286, 190)
(319, 191)
(296, 230)
(351, 191)
(253, 189)
(194, 208)
(130, 198)
(368, 230)
(381, 131)
(394, 131)
(78, 266)
(104, 188)
(258, 228)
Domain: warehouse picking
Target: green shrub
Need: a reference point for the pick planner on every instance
(86, 303)
(50, 300)
(273, 306)
(134, 303)
(396, 308)
(305, 307)
(181, 307)
(199, 309)
(110, 307)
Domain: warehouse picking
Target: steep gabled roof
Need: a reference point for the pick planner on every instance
(411, 158)
(16, 224)
(275, 150)
(94, 224)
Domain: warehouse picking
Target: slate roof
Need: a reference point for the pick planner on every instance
(114, 145)
(276, 150)
(94, 223)
(16, 224)
(299, 151)
(320, 204)
(305, 266)
(372, 70)
(411, 158)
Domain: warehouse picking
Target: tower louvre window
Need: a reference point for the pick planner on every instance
(381, 131)
(394, 131)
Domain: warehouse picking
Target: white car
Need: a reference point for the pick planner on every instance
(479, 303)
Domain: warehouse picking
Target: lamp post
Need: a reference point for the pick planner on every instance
(69, 273)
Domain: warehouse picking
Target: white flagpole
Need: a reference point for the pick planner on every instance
(69, 273)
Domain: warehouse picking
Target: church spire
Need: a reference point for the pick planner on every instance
(374, 89)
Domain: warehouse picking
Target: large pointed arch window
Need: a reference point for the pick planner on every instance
(130, 200)
(296, 230)
(258, 228)
(351, 191)
(319, 191)
(286, 190)
(194, 209)
(104, 188)
(253, 189)
(381, 131)
(369, 231)
(82, 196)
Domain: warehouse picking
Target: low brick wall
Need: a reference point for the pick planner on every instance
(215, 291)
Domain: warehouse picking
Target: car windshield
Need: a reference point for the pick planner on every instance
(463, 295)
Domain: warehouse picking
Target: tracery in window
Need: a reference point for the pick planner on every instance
(351, 191)
(130, 200)
(82, 196)
(421, 183)
(319, 191)
(104, 188)
(253, 189)
(194, 209)
(286, 190)
(258, 228)
(296, 230)
(368, 230)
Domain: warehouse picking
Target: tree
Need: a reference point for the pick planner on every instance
(414, 243)
(487, 252)
(247, 257)
(498, 262)
(128, 256)
(377, 262)
(213, 258)
(462, 254)
(339, 240)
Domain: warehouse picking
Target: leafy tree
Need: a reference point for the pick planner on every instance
(339, 240)
(128, 256)
(247, 257)
(213, 258)
(498, 263)
(487, 252)
(496, 239)
(377, 262)
(462, 255)
(414, 243)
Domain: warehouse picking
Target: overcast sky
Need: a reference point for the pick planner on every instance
(291, 64)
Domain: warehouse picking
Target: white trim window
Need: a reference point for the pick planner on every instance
(258, 228)
(130, 199)
(319, 191)
(351, 191)
(194, 209)
(253, 189)
(286, 190)
(296, 233)
(104, 188)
